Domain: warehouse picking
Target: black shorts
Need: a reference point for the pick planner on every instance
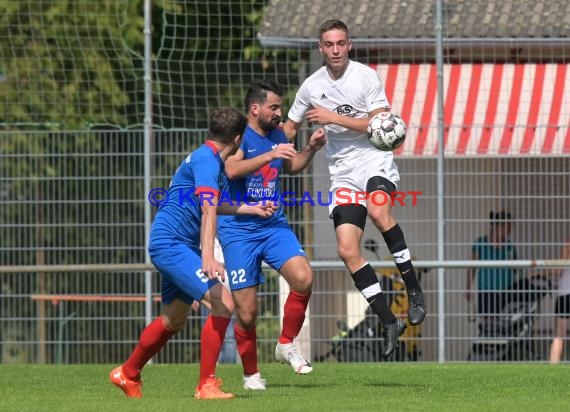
(562, 306)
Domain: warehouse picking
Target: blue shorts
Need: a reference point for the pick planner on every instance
(181, 268)
(243, 256)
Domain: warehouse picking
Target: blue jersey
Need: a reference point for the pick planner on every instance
(263, 184)
(199, 176)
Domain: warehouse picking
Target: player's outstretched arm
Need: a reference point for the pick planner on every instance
(303, 158)
(237, 166)
(263, 208)
(290, 128)
(322, 116)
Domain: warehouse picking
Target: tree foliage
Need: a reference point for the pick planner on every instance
(65, 65)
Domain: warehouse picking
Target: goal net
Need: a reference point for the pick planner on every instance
(79, 64)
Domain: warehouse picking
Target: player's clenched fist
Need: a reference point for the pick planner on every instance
(318, 139)
(284, 151)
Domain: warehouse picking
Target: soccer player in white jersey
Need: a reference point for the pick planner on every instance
(342, 96)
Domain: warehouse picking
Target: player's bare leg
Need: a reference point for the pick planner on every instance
(349, 227)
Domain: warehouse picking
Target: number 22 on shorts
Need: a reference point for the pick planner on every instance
(237, 276)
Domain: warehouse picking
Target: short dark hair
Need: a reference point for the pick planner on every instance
(257, 92)
(225, 124)
(332, 25)
(499, 217)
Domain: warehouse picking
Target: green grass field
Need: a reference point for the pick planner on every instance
(331, 387)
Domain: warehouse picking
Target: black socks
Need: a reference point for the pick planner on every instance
(396, 243)
(367, 283)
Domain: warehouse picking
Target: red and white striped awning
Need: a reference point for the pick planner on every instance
(489, 109)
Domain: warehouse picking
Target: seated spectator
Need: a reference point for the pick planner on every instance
(492, 282)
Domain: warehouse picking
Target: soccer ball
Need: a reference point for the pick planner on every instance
(386, 131)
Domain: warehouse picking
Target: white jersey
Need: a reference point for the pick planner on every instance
(355, 94)
(564, 283)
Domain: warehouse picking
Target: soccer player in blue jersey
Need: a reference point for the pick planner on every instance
(184, 222)
(248, 240)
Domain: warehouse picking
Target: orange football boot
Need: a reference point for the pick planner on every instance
(132, 388)
(212, 389)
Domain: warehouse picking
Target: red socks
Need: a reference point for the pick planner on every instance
(293, 315)
(152, 339)
(212, 338)
(246, 342)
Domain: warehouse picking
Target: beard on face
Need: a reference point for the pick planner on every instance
(269, 125)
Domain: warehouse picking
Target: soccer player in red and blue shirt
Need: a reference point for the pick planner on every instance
(248, 240)
(185, 221)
